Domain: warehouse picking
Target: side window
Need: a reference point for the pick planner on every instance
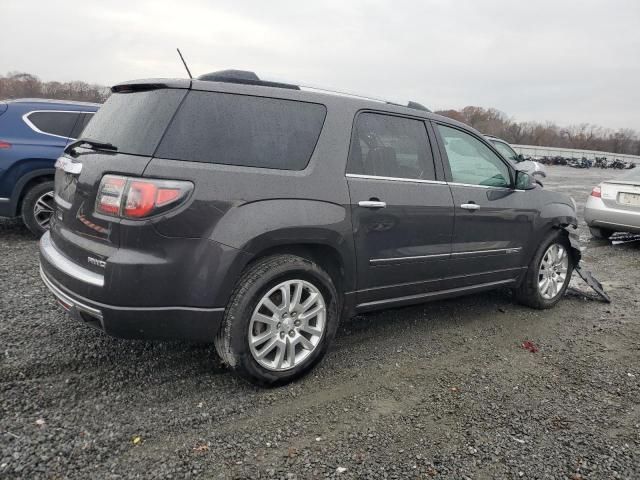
(80, 124)
(53, 123)
(244, 130)
(471, 161)
(388, 146)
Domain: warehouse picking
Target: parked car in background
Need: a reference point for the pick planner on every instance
(255, 214)
(536, 169)
(614, 206)
(33, 133)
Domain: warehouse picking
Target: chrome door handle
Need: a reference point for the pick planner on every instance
(372, 204)
(470, 206)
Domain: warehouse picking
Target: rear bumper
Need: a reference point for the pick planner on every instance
(597, 214)
(150, 323)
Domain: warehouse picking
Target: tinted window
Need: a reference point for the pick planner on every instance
(471, 161)
(244, 130)
(134, 122)
(388, 146)
(54, 123)
(80, 124)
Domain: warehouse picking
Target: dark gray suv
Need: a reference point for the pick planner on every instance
(256, 214)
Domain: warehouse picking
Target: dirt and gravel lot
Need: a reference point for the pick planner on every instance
(441, 390)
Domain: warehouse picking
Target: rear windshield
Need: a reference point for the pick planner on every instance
(134, 122)
(243, 130)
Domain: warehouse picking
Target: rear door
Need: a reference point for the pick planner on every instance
(402, 213)
(493, 220)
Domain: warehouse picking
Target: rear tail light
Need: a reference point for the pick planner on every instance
(139, 198)
(4, 145)
(596, 192)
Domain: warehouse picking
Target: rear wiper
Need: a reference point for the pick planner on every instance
(94, 144)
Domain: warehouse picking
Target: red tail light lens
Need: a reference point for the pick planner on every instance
(110, 194)
(139, 198)
(4, 145)
(596, 192)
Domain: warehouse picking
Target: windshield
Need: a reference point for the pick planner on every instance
(134, 122)
(506, 151)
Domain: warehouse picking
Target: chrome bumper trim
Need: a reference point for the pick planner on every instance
(67, 300)
(62, 263)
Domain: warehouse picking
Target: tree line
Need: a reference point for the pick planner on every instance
(584, 136)
(487, 120)
(25, 85)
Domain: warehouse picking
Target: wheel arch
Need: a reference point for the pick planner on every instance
(24, 183)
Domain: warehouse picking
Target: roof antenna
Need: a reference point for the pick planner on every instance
(184, 63)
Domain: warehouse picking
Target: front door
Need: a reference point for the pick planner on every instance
(493, 220)
(402, 215)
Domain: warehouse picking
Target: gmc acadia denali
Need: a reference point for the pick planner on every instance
(255, 214)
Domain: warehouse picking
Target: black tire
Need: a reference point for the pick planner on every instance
(232, 343)
(528, 293)
(31, 218)
(600, 233)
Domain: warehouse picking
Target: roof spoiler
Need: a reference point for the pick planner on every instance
(150, 84)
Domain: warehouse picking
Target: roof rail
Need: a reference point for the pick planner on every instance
(250, 78)
(48, 100)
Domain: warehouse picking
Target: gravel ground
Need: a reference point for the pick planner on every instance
(441, 390)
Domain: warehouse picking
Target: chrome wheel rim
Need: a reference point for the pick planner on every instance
(552, 274)
(43, 209)
(287, 325)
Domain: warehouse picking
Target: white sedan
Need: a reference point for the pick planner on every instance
(614, 206)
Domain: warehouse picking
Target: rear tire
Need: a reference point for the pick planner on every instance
(542, 286)
(37, 208)
(271, 337)
(600, 233)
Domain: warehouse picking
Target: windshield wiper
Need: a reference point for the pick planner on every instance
(93, 144)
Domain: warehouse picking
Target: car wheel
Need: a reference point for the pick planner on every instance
(37, 208)
(280, 320)
(600, 233)
(548, 274)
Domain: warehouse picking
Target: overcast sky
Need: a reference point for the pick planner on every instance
(557, 60)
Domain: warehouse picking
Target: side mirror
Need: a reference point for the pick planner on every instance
(524, 181)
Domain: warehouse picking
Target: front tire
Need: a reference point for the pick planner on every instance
(548, 274)
(280, 320)
(37, 208)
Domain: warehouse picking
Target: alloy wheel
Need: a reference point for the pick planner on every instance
(287, 325)
(552, 274)
(43, 209)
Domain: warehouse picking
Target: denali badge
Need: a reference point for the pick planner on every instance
(96, 262)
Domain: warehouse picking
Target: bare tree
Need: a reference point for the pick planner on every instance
(25, 85)
(582, 136)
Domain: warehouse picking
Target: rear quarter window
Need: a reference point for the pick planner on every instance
(53, 123)
(244, 130)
